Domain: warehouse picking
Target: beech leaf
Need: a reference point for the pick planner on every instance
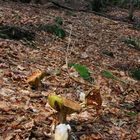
(93, 98)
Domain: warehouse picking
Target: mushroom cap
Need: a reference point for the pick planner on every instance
(63, 105)
(55, 102)
(34, 76)
(71, 106)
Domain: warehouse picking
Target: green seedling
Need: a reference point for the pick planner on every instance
(54, 29)
(136, 26)
(59, 20)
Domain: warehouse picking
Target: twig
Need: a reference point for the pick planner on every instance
(98, 132)
(67, 51)
(66, 60)
(80, 82)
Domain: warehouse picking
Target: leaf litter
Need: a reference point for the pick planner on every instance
(24, 113)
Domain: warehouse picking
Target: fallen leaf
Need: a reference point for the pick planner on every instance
(4, 106)
(93, 98)
(9, 136)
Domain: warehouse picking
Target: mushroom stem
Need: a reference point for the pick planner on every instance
(63, 116)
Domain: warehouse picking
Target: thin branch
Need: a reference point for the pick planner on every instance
(68, 46)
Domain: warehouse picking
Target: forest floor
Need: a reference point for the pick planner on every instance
(95, 42)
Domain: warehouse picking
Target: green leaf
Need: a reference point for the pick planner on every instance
(131, 114)
(82, 70)
(54, 29)
(109, 75)
(132, 44)
(59, 20)
(135, 73)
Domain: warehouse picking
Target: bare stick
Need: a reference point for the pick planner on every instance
(67, 51)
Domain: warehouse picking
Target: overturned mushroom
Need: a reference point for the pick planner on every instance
(63, 106)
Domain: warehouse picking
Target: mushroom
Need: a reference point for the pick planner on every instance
(63, 106)
(34, 80)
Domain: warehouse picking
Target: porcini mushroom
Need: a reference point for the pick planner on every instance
(63, 106)
(34, 80)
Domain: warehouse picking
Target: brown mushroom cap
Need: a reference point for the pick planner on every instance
(35, 75)
(71, 106)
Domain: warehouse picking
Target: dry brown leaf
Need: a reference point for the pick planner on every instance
(8, 74)
(4, 105)
(29, 125)
(94, 98)
(1, 81)
(17, 137)
(9, 136)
